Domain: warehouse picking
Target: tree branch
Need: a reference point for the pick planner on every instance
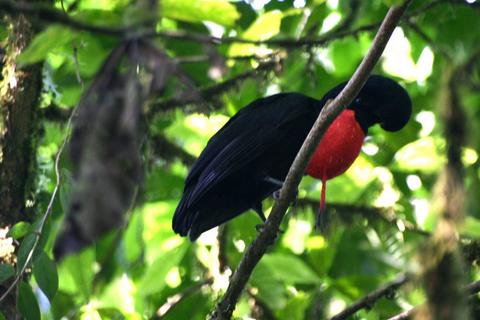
(169, 151)
(333, 108)
(470, 289)
(209, 92)
(47, 13)
(345, 211)
(223, 262)
(387, 290)
(179, 297)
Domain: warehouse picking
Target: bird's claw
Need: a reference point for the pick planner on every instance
(276, 196)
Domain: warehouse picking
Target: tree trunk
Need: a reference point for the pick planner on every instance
(19, 96)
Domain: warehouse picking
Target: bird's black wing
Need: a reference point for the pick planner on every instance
(251, 132)
(237, 124)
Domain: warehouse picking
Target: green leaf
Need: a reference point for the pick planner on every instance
(422, 154)
(66, 189)
(19, 230)
(76, 273)
(218, 11)
(270, 289)
(471, 227)
(133, 243)
(161, 185)
(265, 27)
(391, 3)
(154, 279)
(2, 317)
(345, 55)
(55, 36)
(290, 269)
(6, 271)
(25, 247)
(296, 307)
(45, 272)
(27, 303)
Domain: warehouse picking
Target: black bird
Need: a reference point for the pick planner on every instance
(249, 157)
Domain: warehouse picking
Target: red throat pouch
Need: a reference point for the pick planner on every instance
(338, 149)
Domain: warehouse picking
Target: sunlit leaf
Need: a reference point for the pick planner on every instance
(76, 272)
(154, 279)
(45, 271)
(265, 27)
(423, 155)
(19, 230)
(55, 36)
(290, 269)
(218, 11)
(471, 227)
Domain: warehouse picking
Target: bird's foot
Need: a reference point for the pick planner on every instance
(276, 196)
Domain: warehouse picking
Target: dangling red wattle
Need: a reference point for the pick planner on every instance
(322, 197)
(337, 150)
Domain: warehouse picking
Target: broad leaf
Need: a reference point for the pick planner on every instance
(154, 279)
(55, 36)
(27, 303)
(45, 271)
(6, 271)
(218, 11)
(19, 230)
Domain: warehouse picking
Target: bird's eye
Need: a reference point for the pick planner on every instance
(358, 100)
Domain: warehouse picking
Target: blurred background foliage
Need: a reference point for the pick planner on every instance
(380, 210)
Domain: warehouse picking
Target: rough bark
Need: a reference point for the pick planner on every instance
(19, 95)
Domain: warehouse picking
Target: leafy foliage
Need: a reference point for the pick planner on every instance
(143, 269)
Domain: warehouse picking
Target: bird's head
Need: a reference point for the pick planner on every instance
(382, 101)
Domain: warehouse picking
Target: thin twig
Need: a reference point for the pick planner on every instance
(211, 91)
(179, 297)
(329, 112)
(387, 290)
(223, 263)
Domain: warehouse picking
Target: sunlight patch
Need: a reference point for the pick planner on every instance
(397, 59)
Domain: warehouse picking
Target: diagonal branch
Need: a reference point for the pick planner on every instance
(470, 289)
(333, 108)
(367, 302)
(176, 299)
